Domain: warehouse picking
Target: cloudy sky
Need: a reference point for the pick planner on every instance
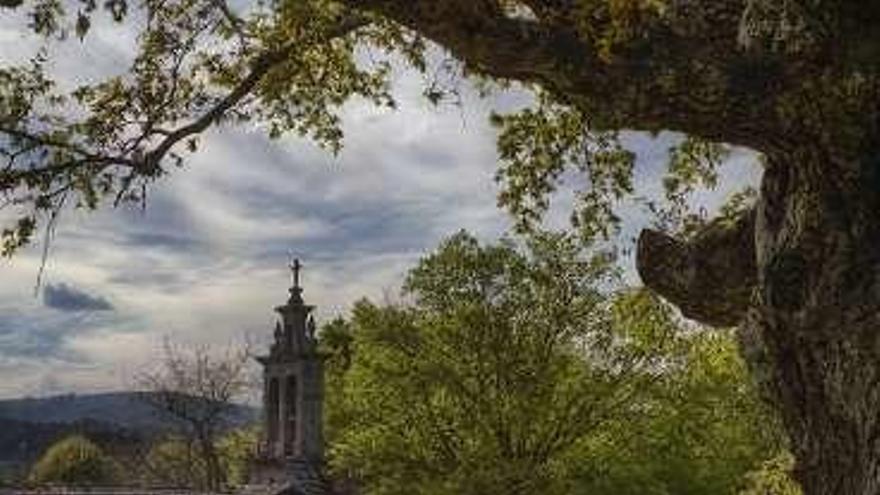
(206, 261)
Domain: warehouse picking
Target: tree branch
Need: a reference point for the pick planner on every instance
(48, 141)
(709, 278)
(259, 68)
(682, 71)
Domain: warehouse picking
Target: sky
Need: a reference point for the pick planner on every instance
(206, 261)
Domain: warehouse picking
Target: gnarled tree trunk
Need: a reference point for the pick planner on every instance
(813, 332)
(811, 328)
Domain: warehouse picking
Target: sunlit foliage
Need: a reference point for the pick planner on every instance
(519, 369)
(73, 461)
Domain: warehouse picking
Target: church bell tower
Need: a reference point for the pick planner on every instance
(293, 379)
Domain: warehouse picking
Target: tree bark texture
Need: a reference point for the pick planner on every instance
(711, 277)
(810, 328)
(811, 334)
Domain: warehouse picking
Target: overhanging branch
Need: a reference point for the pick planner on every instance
(682, 71)
(709, 278)
(259, 68)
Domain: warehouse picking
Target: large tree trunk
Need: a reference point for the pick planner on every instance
(812, 334)
(811, 329)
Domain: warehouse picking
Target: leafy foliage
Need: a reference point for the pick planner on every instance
(288, 66)
(707, 427)
(536, 147)
(178, 461)
(751, 73)
(473, 389)
(237, 450)
(337, 343)
(774, 477)
(74, 460)
(514, 370)
(174, 462)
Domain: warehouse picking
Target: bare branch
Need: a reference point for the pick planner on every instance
(197, 388)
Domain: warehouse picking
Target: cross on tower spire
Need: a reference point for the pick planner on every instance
(295, 267)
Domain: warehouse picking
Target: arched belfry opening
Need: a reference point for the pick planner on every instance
(292, 449)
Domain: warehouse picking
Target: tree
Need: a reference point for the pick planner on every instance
(176, 461)
(74, 460)
(481, 385)
(336, 342)
(515, 373)
(794, 80)
(173, 462)
(197, 390)
(238, 449)
(707, 429)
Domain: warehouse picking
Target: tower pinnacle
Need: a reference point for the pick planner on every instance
(295, 267)
(295, 290)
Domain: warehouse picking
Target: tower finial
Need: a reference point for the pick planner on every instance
(295, 267)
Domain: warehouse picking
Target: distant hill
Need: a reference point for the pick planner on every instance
(114, 420)
(120, 409)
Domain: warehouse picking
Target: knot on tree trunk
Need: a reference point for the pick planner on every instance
(710, 277)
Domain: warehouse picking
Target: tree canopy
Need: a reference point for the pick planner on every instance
(521, 371)
(598, 66)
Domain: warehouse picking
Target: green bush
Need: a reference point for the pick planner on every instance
(177, 462)
(74, 460)
(237, 450)
(174, 462)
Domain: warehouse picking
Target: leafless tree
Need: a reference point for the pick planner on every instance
(198, 388)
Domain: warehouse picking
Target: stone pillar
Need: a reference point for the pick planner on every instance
(267, 413)
(302, 413)
(292, 406)
(270, 403)
(282, 414)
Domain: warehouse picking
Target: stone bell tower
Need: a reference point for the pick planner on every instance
(293, 378)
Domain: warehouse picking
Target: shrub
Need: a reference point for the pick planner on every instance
(75, 460)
